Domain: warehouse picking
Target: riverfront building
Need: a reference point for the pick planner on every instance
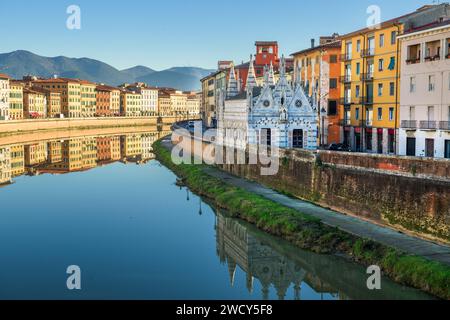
(70, 90)
(370, 72)
(425, 92)
(277, 114)
(4, 96)
(108, 101)
(34, 104)
(5, 165)
(130, 103)
(149, 105)
(88, 99)
(318, 68)
(16, 100)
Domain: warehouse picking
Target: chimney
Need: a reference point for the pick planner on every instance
(313, 42)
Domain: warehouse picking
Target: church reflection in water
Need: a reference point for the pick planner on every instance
(294, 273)
(75, 154)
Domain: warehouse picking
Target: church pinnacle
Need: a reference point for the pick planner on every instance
(251, 78)
(232, 89)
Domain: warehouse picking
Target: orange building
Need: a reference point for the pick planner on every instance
(266, 54)
(319, 67)
(103, 149)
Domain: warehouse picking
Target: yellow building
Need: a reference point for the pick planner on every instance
(34, 104)
(17, 160)
(35, 154)
(164, 104)
(16, 100)
(70, 91)
(53, 107)
(55, 149)
(130, 103)
(193, 105)
(88, 98)
(370, 79)
(115, 148)
(131, 146)
(89, 153)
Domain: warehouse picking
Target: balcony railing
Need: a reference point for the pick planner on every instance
(346, 79)
(409, 124)
(412, 60)
(366, 76)
(367, 100)
(346, 101)
(428, 125)
(346, 57)
(367, 53)
(433, 58)
(444, 125)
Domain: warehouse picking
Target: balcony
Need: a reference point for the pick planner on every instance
(367, 100)
(367, 76)
(409, 124)
(346, 57)
(346, 79)
(346, 101)
(432, 58)
(444, 125)
(367, 53)
(428, 125)
(413, 60)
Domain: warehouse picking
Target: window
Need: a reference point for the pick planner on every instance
(393, 37)
(358, 91)
(358, 46)
(392, 64)
(357, 113)
(391, 114)
(332, 107)
(392, 89)
(412, 84)
(333, 58)
(297, 138)
(381, 65)
(380, 89)
(380, 114)
(431, 83)
(358, 68)
(381, 40)
(333, 83)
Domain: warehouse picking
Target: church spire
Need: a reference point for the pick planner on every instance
(271, 75)
(232, 89)
(251, 78)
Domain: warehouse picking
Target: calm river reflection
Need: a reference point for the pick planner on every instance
(104, 204)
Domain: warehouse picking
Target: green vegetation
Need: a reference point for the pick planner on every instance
(310, 233)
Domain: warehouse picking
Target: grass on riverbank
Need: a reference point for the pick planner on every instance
(310, 233)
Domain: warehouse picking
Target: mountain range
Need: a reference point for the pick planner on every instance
(21, 63)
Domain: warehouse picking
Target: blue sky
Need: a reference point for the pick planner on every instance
(162, 34)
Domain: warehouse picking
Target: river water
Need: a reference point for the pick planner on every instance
(102, 203)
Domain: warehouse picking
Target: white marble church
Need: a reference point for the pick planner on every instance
(275, 114)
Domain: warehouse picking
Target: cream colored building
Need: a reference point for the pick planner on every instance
(425, 92)
(34, 104)
(88, 153)
(130, 103)
(16, 100)
(35, 154)
(4, 97)
(88, 99)
(193, 105)
(149, 104)
(164, 104)
(5, 165)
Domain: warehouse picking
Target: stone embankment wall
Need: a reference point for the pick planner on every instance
(409, 194)
(20, 126)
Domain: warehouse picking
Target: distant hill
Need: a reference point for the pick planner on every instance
(20, 63)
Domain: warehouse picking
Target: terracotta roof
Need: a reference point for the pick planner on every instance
(266, 43)
(335, 44)
(4, 76)
(107, 88)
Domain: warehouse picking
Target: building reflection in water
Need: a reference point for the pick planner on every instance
(279, 265)
(77, 154)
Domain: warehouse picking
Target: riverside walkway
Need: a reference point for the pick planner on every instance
(353, 225)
